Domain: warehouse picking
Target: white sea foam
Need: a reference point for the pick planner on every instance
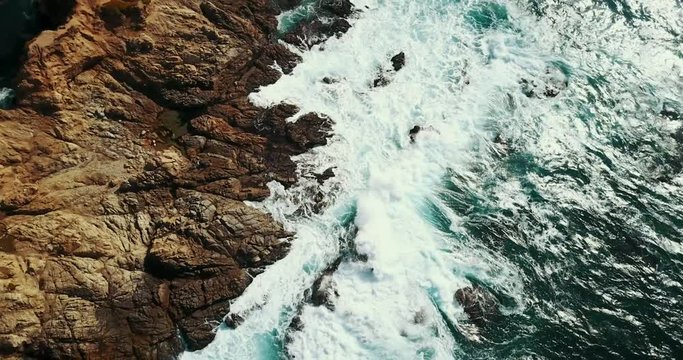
(413, 267)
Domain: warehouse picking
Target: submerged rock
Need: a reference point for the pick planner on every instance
(549, 85)
(479, 304)
(381, 80)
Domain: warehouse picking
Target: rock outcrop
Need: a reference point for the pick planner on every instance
(385, 76)
(123, 167)
(479, 304)
(329, 19)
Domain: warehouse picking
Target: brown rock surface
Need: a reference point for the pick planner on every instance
(122, 174)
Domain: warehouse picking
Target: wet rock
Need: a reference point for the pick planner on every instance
(310, 130)
(198, 330)
(669, 112)
(385, 75)
(232, 321)
(325, 175)
(413, 133)
(340, 8)
(323, 289)
(398, 61)
(479, 304)
(381, 80)
(316, 31)
(549, 85)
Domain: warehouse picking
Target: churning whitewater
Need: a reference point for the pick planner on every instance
(547, 171)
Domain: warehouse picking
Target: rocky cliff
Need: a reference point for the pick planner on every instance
(123, 170)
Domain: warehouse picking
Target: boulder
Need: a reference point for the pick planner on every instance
(479, 304)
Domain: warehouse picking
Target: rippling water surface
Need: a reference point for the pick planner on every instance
(567, 208)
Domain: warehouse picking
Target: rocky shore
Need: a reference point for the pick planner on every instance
(123, 170)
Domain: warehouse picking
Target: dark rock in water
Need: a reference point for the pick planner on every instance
(384, 76)
(551, 91)
(413, 132)
(549, 85)
(341, 8)
(528, 87)
(381, 80)
(310, 130)
(322, 290)
(233, 321)
(323, 287)
(316, 31)
(678, 136)
(197, 331)
(328, 80)
(670, 113)
(479, 304)
(272, 122)
(287, 4)
(398, 61)
(328, 173)
(296, 324)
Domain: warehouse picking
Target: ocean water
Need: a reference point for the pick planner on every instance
(567, 208)
(18, 24)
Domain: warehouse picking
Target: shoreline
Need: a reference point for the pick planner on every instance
(125, 164)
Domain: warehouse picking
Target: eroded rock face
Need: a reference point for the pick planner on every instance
(115, 237)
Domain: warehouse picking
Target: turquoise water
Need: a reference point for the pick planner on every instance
(549, 172)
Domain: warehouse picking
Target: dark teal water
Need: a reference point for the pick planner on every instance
(606, 281)
(17, 26)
